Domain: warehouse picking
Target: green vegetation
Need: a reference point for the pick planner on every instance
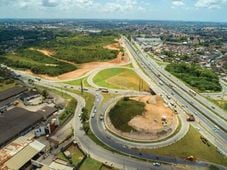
(81, 48)
(78, 82)
(123, 112)
(87, 110)
(70, 105)
(191, 145)
(4, 86)
(6, 80)
(37, 62)
(76, 48)
(120, 78)
(76, 155)
(200, 78)
(90, 164)
(61, 156)
(221, 103)
(69, 110)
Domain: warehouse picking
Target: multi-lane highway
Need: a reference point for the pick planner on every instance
(209, 120)
(168, 88)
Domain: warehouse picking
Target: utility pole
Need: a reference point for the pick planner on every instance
(81, 86)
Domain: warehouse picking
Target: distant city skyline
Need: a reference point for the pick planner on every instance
(184, 10)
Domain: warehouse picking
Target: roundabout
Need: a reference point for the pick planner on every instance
(157, 124)
(142, 119)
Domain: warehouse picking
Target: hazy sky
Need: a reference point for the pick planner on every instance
(193, 10)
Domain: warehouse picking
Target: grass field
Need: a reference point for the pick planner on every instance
(89, 98)
(78, 82)
(120, 78)
(221, 103)
(76, 155)
(90, 164)
(191, 144)
(123, 112)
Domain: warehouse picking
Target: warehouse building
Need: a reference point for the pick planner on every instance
(18, 121)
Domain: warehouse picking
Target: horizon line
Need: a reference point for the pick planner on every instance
(117, 19)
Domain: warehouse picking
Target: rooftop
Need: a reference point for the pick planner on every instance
(11, 92)
(15, 121)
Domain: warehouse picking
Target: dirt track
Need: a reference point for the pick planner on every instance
(84, 68)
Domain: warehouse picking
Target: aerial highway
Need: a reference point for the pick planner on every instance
(215, 125)
(111, 158)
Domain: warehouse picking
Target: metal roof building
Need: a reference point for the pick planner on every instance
(12, 92)
(17, 121)
(24, 155)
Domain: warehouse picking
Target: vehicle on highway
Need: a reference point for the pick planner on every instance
(156, 164)
(101, 117)
(38, 79)
(93, 115)
(161, 83)
(81, 127)
(192, 92)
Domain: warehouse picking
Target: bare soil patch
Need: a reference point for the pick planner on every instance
(87, 67)
(152, 118)
(114, 46)
(157, 122)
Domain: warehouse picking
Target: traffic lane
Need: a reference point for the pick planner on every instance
(151, 72)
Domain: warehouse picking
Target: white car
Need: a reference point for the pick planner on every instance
(156, 164)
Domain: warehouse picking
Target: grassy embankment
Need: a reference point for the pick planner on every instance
(4, 86)
(78, 82)
(123, 112)
(120, 78)
(191, 145)
(202, 79)
(37, 62)
(221, 103)
(5, 81)
(77, 48)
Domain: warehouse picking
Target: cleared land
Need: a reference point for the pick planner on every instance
(120, 78)
(66, 57)
(203, 79)
(191, 145)
(123, 112)
(145, 117)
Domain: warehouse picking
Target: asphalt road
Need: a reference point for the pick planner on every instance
(97, 152)
(215, 125)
